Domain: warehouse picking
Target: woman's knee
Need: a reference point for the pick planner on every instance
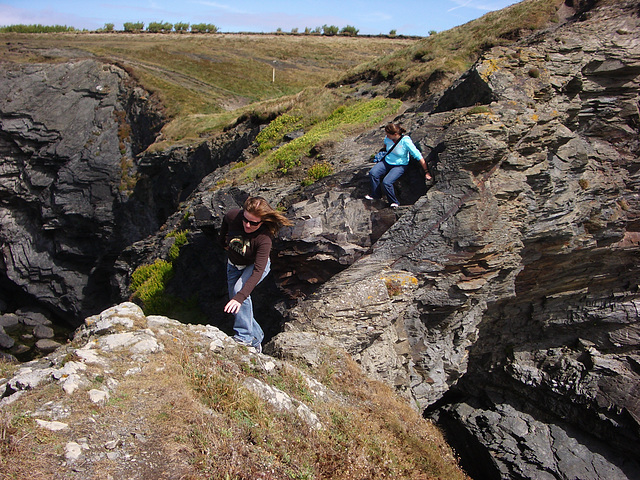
(387, 183)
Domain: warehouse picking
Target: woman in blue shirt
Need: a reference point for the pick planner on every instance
(386, 172)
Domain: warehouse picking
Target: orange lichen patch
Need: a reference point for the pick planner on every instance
(398, 282)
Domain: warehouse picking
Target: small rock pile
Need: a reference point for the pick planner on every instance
(27, 333)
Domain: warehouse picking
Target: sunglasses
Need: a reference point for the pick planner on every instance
(253, 224)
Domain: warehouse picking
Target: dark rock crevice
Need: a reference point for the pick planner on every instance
(63, 141)
(502, 298)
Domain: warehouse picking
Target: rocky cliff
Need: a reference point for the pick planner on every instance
(68, 133)
(501, 300)
(505, 300)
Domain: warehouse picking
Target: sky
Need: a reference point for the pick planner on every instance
(372, 17)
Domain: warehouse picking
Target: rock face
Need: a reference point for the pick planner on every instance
(510, 312)
(66, 143)
(502, 300)
(72, 197)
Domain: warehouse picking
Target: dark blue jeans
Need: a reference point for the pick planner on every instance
(389, 174)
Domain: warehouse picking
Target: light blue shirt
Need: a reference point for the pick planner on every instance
(400, 154)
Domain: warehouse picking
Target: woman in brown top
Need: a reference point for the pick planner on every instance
(247, 236)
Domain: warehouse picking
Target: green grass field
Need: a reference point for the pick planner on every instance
(206, 82)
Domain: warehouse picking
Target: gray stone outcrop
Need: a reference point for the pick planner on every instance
(67, 147)
(514, 316)
(501, 300)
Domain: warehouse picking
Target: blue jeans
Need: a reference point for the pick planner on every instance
(389, 174)
(245, 326)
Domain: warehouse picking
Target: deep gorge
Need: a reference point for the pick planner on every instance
(513, 317)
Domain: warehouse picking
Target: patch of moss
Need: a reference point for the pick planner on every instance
(316, 172)
(149, 282)
(275, 131)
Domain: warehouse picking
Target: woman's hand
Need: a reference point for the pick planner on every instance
(232, 307)
(423, 164)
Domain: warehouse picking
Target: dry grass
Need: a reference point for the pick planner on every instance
(209, 75)
(207, 82)
(368, 432)
(187, 415)
(442, 57)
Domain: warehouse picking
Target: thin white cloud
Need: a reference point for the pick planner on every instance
(460, 5)
(220, 6)
(480, 6)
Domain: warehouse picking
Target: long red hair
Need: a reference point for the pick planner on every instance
(272, 219)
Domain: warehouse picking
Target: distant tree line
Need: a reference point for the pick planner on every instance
(37, 29)
(180, 27)
(165, 27)
(330, 30)
(129, 27)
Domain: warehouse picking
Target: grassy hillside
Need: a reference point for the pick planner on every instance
(320, 83)
(430, 64)
(214, 73)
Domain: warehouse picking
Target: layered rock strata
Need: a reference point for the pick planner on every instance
(505, 301)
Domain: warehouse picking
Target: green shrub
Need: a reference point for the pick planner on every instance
(330, 30)
(181, 27)
(349, 30)
(133, 27)
(316, 172)
(148, 282)
(180, 239)
(203, 28)
(36, 29)
(273, 134)
(159, 27)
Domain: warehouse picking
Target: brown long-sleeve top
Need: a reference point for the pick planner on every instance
(245, 249)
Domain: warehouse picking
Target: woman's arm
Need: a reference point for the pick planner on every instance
(423, 164)
(263, 246)
(413, 150)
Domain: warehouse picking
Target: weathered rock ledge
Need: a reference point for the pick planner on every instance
(515, 322)
(114, 403)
